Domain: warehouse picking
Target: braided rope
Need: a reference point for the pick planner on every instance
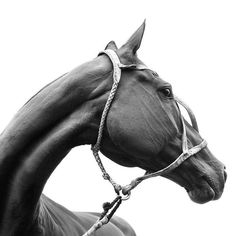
(126, 190)
(96, 148)
(184, 156)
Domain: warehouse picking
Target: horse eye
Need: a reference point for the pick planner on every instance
(166, 92)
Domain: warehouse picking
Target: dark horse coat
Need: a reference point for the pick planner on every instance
(143, 129)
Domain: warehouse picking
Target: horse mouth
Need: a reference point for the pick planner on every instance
(207, 191)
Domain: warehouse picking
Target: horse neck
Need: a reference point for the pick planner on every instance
(62, 115)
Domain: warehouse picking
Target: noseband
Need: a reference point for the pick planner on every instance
(123, 192)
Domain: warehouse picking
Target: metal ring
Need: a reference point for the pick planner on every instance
(125, 197)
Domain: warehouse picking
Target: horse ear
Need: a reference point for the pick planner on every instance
(135, 40)
(111, 45)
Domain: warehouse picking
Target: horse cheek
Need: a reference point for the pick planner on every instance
(131, 135)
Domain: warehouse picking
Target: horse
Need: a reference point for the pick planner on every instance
(143, 128)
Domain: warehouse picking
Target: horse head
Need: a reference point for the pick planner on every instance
(144, 128)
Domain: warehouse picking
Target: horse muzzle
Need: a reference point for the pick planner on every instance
(208, 188)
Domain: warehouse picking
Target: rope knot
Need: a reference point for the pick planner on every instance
(117, 188)
(106, 206)
(106, 176)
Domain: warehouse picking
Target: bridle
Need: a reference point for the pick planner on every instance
(124, 192)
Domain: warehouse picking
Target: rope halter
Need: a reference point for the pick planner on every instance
(186, 152)
(124, 192)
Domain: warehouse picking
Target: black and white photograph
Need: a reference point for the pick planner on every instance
(117, 118)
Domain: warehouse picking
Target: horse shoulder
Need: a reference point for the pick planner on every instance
(123, 225)
(54, 219)
(116, 227)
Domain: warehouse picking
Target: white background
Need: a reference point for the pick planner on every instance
(191, 44)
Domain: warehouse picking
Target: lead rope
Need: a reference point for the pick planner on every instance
(109, 208)
(123, 192)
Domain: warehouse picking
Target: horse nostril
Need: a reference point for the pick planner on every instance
(225, 175)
